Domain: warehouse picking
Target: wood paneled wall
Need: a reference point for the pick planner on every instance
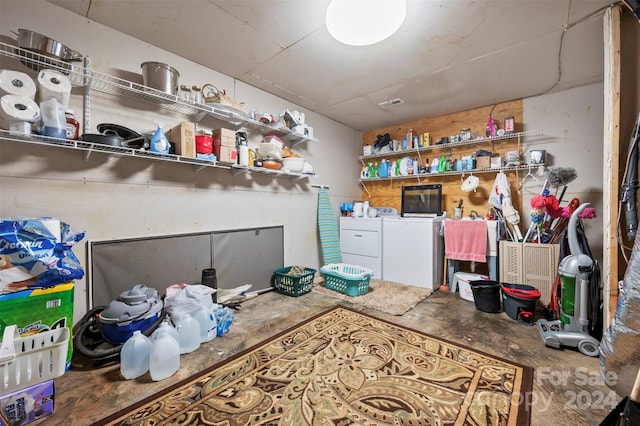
(387, 192)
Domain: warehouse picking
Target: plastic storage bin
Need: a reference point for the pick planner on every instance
(461, 281)
(486, 295)
(294, 285)
(348, 279)
(27, 361)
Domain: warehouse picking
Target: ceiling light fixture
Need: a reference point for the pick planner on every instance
(364, 22)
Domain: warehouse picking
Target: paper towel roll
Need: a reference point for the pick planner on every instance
(53, 84)
(17, 108)
(17, 83)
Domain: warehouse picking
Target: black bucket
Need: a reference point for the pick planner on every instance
(519, 301)
(486, 295)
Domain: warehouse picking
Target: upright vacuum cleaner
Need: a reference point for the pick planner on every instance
(572, 329)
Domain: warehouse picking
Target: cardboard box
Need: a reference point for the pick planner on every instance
(27, 405)
(226, 154)
(184, 138)
(37, 310)
(483, 162)
(224, 137)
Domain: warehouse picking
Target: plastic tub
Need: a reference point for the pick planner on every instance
(486, 295)
(519, 301)
(461, 281)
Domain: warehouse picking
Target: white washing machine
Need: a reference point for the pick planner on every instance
(413, 251)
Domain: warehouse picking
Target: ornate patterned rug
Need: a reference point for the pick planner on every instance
(346, 368)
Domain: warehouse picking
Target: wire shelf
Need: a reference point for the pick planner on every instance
(454, 173)
(517, 135)
(104, 83)
(89, 147)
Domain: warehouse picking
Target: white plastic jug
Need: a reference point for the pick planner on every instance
(134, 356)
(188, 334)
(165, 326)
(208, 324)
(164, 360)
(54, 122)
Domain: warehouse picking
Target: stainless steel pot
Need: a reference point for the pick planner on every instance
(160, 76)
(44, 45)
(50, 51)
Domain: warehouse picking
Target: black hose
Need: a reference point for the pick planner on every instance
(630, 185)
(89, 321)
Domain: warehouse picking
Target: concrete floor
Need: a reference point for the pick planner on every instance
(567, 385)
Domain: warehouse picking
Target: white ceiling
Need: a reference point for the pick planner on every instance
(448, 56)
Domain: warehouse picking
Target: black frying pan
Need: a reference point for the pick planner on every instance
(116, 135)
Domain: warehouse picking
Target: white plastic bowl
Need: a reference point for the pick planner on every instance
(293, 164)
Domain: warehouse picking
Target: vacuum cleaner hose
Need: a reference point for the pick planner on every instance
(574, 244)
(89, 323)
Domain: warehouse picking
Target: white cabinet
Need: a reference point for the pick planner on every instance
(361, 243)
(413, 251)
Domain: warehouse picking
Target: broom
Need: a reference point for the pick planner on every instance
(555, 177)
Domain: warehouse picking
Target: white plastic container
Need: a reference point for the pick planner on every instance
(164, 360)
(165, 326)
(243, 154)
(188, 334)
(54, 122)
(134, 356)
(462, 279)
(208, 324)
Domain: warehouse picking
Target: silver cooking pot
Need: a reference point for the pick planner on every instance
(46, 46)
(160, 76)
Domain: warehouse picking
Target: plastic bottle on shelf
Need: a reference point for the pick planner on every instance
(243, 154)
(134, 356)
(384, 168)
(54, 121)
(159, 142)
(73, 126)
(188, 334)
(434, 165)
(415, 166)
(164, 359)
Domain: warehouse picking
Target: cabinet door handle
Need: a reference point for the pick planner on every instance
(358, 235)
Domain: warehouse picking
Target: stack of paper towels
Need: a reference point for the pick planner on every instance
(18, 108)
(17, 105)
(54, 84)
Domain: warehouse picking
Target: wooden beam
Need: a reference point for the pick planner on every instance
(611, 174)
